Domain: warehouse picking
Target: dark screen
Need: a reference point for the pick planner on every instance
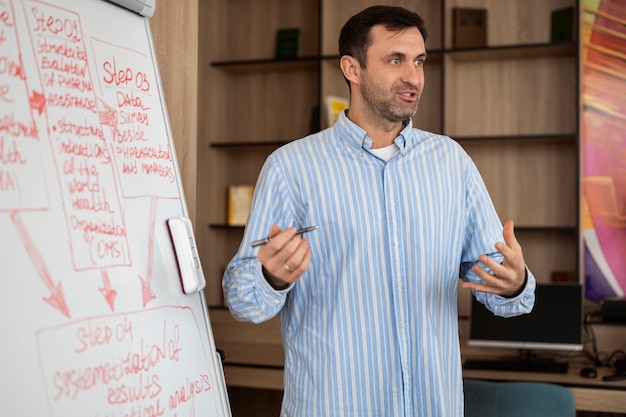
(555, 321)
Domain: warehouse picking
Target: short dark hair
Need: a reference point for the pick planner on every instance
(355, 39)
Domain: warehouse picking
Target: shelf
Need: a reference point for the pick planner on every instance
(434, 56)
(307, 63)
(503, 52)
(256, 65)
(557, 229)
(549, 137)
(224, 226)
(274, 144)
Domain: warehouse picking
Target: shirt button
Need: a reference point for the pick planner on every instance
(399, 284)
(402, 325)
(396, 243)
(393, 204)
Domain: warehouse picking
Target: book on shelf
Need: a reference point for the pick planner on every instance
(562, 25)
(239, 200)
(334, 106)
(563, 276)
(469, 27)
(315, 123)
(287, 43)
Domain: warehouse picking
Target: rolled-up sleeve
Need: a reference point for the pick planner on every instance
(248, 295)
(523, 303)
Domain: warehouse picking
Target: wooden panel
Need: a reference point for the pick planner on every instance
(175, 33)
(248, 28)
(265, 106)
(523, 178)
(464, 301)
(209, 115)
(219, 249)
(262, 378)
(511, 97)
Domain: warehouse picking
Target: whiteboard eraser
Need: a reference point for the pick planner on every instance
(142, 7)
(189, 267)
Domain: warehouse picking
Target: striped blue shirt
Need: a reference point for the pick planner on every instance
(371, 329)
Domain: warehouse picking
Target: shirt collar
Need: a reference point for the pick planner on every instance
(357, 138)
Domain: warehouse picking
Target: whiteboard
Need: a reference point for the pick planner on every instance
(95, 322)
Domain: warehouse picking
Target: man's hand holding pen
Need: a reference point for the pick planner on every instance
(285, 257)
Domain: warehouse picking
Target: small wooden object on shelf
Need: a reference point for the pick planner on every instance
(470, 27)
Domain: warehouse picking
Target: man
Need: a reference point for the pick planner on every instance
(368, 301)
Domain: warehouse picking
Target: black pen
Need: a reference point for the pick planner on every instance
(267, 239)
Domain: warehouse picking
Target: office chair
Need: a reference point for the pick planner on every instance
(517, 399)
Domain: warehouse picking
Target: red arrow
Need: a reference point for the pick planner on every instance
(57, 297)
(108, 292)
(37, 102)
(146, 284)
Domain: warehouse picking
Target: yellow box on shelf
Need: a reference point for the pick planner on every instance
(239, 200)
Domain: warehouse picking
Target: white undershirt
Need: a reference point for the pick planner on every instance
(387, 152)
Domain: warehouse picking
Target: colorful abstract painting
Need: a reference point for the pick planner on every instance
(603, 148)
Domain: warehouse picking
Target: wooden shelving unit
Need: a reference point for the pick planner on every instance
(513, 105)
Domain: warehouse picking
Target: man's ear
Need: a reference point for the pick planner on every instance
(350, 68)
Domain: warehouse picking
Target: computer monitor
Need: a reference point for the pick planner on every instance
(556, 322)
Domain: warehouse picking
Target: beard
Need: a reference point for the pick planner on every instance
(390, 109)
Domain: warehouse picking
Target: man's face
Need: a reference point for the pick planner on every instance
(392, 82)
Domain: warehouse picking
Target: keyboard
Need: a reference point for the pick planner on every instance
(542, 366)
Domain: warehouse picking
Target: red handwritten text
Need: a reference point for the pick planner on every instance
(125, 77)
(90, 336)
(56, 26)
